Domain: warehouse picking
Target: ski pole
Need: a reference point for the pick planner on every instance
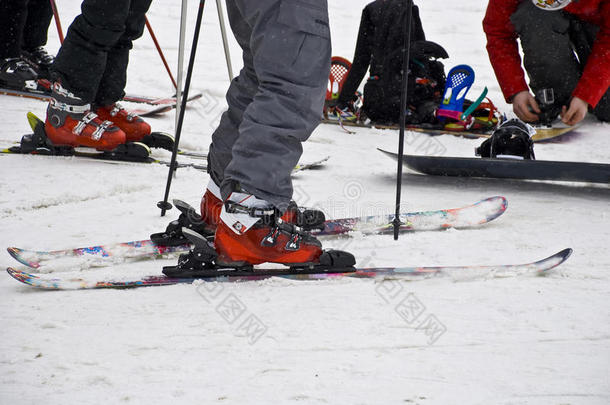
(160, 51)
(57, 21)
(225, 43)
(165, 205)
(181, 41)
(403, 111)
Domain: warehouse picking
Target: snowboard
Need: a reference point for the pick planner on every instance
(384, 273)
(507, 168)
(103, 255)
(542, 133)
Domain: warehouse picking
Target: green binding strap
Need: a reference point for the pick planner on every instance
(474, 105)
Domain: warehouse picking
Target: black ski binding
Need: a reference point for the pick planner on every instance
(188, 219)
(129, 152)
(160, 140)
(198, 262)
(38, 143)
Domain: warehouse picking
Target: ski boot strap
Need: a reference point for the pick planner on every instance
(117, 109)
(264, 213)
(70, 108)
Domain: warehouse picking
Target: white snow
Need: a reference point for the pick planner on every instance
(522, 340)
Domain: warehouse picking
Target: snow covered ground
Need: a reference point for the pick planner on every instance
(523, 340)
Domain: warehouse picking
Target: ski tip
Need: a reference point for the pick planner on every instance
(17, 254)
(21, 276)
(566, 253)
(556, 259)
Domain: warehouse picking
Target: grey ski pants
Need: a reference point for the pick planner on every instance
(276, 101)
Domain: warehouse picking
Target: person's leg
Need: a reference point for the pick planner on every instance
(549, 58)
(81, 61)
(13, 14)
(240, 94)
(114, 78)
(290, 45)
(583, 36)
(602, 110)
(39, 15)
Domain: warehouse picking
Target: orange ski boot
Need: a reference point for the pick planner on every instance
(135, 127)
(250, 232)
(70, 122)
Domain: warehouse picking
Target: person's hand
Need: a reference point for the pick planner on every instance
(576, 113)
(525, 106)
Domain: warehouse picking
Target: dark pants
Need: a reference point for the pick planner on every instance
(275, 102)
(23, 25)
(556, 46)
(92, 62)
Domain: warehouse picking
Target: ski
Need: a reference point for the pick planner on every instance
(542, 133)
(400, 273)
(507, 168)
(157, 105)
(472, 215)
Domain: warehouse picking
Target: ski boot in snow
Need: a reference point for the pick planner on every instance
(15, 73)
(135, 127)
(40, 60)
(70, 122)
(250, 232)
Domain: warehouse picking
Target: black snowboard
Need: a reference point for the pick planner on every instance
(507, 168)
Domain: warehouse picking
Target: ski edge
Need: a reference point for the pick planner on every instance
(539, 267)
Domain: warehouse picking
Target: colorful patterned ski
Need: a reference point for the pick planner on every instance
(476, 214)
(406, 273)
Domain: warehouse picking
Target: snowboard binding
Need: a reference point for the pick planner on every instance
(188, 219)
(480, 114)
(512, 139)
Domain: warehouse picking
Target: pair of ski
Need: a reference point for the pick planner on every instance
(149, 106)
(479, 213)
(133, 152)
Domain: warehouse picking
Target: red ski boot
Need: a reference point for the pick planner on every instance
(249, 233)
(135, 127)
(70, 122)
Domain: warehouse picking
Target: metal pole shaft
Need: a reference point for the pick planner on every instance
(160, 51)
(181, 42)
(60, 32)
(225, 43)
(403, 112)
(189, 74)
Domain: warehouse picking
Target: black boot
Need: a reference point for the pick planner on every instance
(40, 60)
(17, 74)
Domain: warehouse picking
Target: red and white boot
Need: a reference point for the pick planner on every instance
(307, 218)
(70, 122)
(250, 232)
(211, 205)
(134, 126)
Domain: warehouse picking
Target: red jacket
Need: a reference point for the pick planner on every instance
(504, 51)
